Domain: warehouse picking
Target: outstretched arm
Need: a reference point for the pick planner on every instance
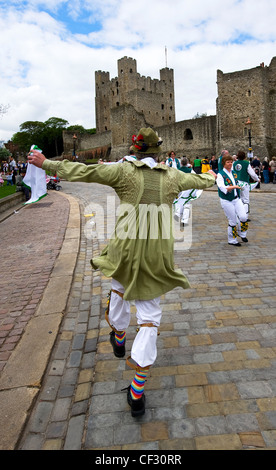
(71, 171)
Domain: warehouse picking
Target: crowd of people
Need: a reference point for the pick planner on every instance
(265, 169)
(13, 173)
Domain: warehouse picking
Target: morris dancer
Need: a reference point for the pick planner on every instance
(172, 161)
(244, 170)
(142, 268)
(182, 205)
(229, 193)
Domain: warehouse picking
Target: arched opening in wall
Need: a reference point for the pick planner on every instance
(188, 135)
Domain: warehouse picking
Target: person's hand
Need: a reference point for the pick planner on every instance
(231, 187)
(36, 158)
(212, 173)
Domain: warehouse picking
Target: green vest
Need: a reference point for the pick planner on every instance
(186, 169)
(227, 181)
(170, 161)
(241, 166)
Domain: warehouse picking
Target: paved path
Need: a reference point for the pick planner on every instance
(213, 385)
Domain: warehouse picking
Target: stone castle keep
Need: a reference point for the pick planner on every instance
(130, 101)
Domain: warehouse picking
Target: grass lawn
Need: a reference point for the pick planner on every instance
(7, 190)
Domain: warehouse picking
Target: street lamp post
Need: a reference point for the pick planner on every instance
(74, 145)
(249, 124)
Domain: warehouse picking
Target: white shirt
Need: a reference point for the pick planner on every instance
(172, 163)
(252, 173)
(221, 184)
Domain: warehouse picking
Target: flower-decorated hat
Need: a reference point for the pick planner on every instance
(147, 141)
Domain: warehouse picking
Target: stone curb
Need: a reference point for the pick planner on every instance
(22, 377)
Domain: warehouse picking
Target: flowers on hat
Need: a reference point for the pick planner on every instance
(139, 143)
(146, 141)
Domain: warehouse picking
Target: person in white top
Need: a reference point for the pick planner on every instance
(231, 203)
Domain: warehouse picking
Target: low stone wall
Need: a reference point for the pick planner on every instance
(9, 202)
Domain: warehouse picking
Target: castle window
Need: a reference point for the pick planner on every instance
(162, 106)
(130, 70)
(248, 92)
(117, 104)
(188, 135)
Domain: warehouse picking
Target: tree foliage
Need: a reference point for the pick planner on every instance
(4, 154)
(46, 135)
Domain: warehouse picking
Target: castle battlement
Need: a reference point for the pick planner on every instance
(153, 97)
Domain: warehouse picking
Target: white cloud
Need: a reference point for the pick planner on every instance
(47, 70)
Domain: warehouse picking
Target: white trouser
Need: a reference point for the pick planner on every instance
(236, 214)
(144, 350)
(245, 197)
(182, 211)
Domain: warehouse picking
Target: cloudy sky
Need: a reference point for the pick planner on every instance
(50, 50)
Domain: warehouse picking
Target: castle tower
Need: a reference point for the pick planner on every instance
(151, 97)
(102, 101)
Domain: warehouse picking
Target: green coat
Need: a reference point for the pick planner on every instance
(143, 263)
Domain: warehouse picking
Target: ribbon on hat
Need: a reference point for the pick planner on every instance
(142, 146)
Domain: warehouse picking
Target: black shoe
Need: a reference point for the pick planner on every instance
(235, 244)
(119, 351)
(137, 406)
(244, 239)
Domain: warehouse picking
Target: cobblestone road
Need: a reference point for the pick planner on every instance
(213, 385)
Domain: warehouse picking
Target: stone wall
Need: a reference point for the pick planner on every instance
(242, 95)
(87, 145)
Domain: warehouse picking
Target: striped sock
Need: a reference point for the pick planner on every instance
(138, 384)
(120, 338)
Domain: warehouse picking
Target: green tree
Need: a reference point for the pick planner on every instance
(4, 154)
(80, 129)
(46, 135)
(53, 130)
(31, 132)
